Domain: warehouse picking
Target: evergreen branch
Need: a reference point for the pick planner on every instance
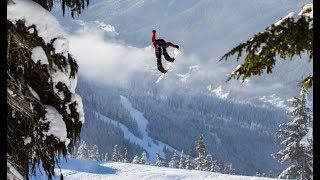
(286, 40)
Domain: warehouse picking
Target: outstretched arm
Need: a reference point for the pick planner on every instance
(153, 38)
(172, 45)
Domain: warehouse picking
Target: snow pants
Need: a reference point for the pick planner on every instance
(159, 52)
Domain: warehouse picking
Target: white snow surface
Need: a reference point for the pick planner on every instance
(290, 15)
(38, 54)
(307, 7)
(57, 127)
(237, 68)
(61, 46)
(84, 169)
(27, 140)
(303, 12)
(47, 25)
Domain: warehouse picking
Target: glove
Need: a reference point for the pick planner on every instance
(177, 46)
(154, 31)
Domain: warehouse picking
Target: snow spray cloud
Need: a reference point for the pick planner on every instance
(107, 61)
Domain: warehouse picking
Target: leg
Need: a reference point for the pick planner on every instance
(159, 64)
(166, 55)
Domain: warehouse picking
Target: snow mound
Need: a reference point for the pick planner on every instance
(38, 54)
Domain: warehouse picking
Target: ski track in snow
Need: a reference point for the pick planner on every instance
(146, 142)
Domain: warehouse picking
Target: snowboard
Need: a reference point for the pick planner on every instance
(176, 52)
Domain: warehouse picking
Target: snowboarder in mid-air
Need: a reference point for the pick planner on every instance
(160, 46)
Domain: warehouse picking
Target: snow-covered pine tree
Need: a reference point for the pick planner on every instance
(215, 166)
(208, 162)
(41, 82)
(159, 161)
(229, 169)
(125, 156)
(144, 158)
(101, 157)
(120, 155)
(258, 174)
(187, 162)
(94, 153)
(115, 153)
(82, 152)
(182, 164)
(174, 163)
(270, 174)
(202, 152)
(136, 160)
(106, 157)
(295, 152)
(309, 152)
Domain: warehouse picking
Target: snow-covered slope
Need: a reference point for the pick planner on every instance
(92, 170)
(150, 145)
(146, 142)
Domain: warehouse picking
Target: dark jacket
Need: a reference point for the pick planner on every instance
(160, 42)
